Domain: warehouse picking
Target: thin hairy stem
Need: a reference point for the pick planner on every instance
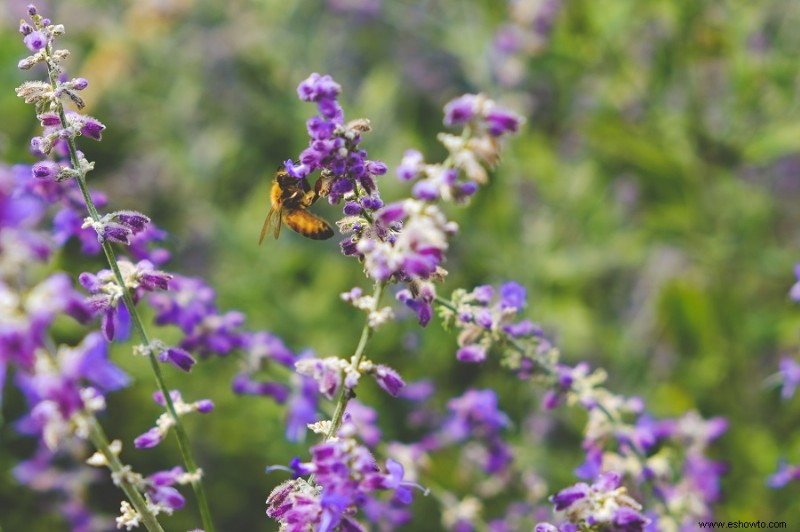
(347, 393)
(183, 440)
(100, 441)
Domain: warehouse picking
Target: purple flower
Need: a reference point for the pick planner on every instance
(90, 361)
(243, 384)
(352, 208)
(605, 504)
(476, 409)
(346, 475)
(475, 416)
(187, 303)
(142, 245)
(167, 496)
(217, 334)
(35, 41)
(472, 353)
(156, 434)
(417, 391)
(79, 84)
(522, 329)
(107, 295)
(177, 357)
(121, 226)
(149, 439)
(46, 169)
(376, 167)
(483, 294)
(483, 318)
(421, 304)
(360, 421)
(794, 292)
(92, 128)
(460, 110)
(326, 372)
(52, 296)
(786, 473)
(500, 121)
(204, 406)
(568, 496)
(790, 373)
(160, 490)
(58, 391)
(410, 165)
(512, 296)
(301, 408)
(68, 223)
(135, 221)
(260, 349)
(591, 467)
(317, 87)
(388, 379)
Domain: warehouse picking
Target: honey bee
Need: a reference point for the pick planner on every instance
(291, 197)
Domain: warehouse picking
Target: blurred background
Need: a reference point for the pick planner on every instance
(650, 206)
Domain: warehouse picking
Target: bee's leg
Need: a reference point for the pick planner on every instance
(322, 187)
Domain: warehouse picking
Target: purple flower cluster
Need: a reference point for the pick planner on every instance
(159, 487)
(332, 373)
(794, 291)
(346, 478)
(619, 436)
(790, 376)
(190, 304)
(605, 504)
(49, 472)
(300, 394)
(407, 241)
(475, 417)
(62, 390)
(26, 316)
(59, 386)
(162, 496)
(261, 348)
(400, 242)
(107, 294)
(155, 435)
(487, 316)
(485, 124)
(334, 148)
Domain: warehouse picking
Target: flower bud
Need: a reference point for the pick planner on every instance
(45, 169)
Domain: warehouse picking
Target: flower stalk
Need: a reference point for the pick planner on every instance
(100, 441)
(80, 177)
(347, 393)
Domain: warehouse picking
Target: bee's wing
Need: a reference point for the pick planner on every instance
(278, 223)
(267, 223)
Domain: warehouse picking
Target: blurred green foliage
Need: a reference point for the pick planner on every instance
(650, 207)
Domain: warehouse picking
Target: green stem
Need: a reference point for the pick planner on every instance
(346, 394)
(100, 441)
(183, 440)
